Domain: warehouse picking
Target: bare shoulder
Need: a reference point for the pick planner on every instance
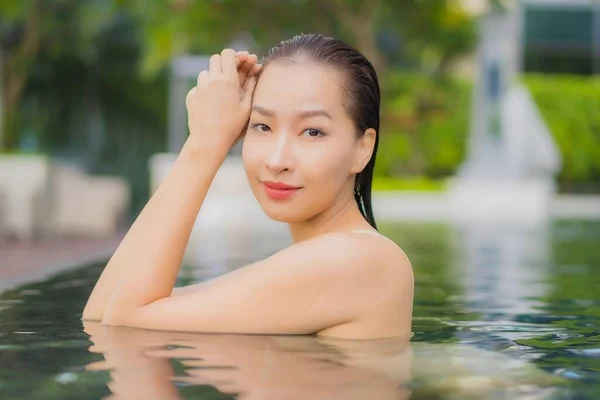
(373, 248)
(383, 284)
(370, 258)
(370, 250)
(386, 257)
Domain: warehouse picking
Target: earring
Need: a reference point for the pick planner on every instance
(360, 198)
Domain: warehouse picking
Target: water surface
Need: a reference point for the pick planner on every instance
(500, 312)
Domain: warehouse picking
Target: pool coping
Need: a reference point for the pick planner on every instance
(24, 262)
(437, 207)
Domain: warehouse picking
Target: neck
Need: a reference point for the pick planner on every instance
(343, 216)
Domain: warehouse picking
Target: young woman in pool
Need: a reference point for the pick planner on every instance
(309, 116)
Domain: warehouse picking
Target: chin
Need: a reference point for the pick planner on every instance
(287, 212)
(283, 213)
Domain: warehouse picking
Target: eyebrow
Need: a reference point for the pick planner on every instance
(302, 114)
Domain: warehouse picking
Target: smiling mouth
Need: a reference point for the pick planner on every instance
(280, 191)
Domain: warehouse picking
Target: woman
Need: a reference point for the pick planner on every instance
(310, 126)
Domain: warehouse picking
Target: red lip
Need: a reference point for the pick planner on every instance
(279, 186)
(280, 191)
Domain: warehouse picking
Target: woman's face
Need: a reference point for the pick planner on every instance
(300, 135)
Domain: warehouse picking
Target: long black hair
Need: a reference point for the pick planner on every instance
(360, 88)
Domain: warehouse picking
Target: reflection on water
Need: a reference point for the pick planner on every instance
(504, 268)
(164, 365)
(507, 312)
(157, 365)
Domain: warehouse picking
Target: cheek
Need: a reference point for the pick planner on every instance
(250, 156)
(329, 165)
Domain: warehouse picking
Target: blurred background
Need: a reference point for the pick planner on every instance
(479, 98)
(487, 174)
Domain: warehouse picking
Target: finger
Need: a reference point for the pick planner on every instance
(250, 63)
(190, 96)
(248, 91)
(245, 68)
(215, 65)
(252, 59)
(202, 77)
(255, 70)
(242, 55)
(243, 72)
(240, 58)
(228, 62)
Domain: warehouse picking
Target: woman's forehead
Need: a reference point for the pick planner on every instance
(299, 86)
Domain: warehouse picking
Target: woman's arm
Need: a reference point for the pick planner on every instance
(160, 234)
(101, 296)
(145, 239)
(338, 278)
(150, 255)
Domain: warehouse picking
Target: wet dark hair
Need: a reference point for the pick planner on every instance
(360, 88)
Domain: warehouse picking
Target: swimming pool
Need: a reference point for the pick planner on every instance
(500, 312)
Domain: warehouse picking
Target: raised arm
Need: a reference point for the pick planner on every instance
(160, 234)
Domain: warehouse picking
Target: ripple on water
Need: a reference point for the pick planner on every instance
(577, 375)
(594, 353)
(12, 347)
(505, 326)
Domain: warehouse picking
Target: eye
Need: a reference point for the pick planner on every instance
(313, 132)
(260, 127)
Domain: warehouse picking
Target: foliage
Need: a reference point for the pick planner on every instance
(422, 184)
(569, 104)
(90, 106)
(35, 29)
(431, 34)
(424, 125)
(435, 32)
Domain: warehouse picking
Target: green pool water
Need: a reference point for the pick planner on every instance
(501, 312)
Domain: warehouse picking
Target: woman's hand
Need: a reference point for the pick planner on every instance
(219, 105)
(247, 66)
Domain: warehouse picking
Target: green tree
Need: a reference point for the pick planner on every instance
(430, 34)
(54, 29)
(436, 30)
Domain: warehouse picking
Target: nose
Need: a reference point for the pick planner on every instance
(279, 158)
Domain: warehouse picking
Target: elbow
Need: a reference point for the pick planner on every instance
(112, 319)
(90, 314)
(118, 317)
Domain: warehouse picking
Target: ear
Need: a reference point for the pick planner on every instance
(364, 150)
